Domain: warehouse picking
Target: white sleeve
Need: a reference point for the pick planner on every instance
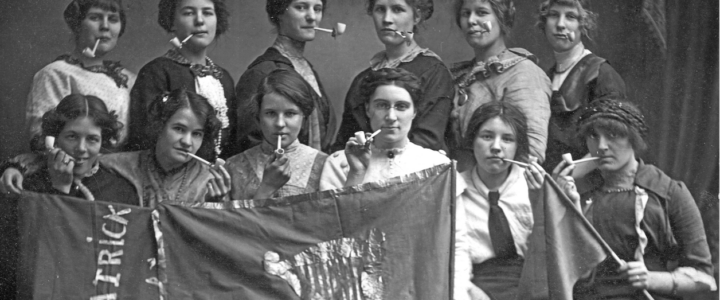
(334, 173)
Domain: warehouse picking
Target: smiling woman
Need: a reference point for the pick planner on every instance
(97, 25)
(295, 22)
(187, 67)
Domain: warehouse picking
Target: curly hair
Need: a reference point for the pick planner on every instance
(76, 106)
(76, 11)
(422, 8)
(614, 117)
(510, 115)
(391, 76)
(166, 105)
(275, 8)
(504, 10)
(167, 8)
(587, 18)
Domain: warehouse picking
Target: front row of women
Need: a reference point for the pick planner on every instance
(648, 219)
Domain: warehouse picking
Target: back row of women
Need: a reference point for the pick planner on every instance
(276, 124)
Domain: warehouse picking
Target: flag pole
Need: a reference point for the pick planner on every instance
(595, 234)
(453, 182)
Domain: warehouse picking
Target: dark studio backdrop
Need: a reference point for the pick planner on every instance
(676, 85)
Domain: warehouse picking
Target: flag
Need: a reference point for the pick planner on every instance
(384, 240)
(563, 247)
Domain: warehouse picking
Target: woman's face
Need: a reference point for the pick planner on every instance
(562, 28)
(99, 24)
(615, 152)
(196, 17)
(391, 15)
(81, 139)
(494, 141)
(280, 117)
(181, 134)
(390, 109)
(300, 19)
(473, 13)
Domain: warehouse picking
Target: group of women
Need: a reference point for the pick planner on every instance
(118, 137)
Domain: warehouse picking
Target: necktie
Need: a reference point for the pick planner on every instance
(500, 235)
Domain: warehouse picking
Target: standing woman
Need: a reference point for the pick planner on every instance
(648, 219)
(294, 21)
(497, 73)
(187, 67)
(393, 19)
(282, 104)
(578, 76)
(93, 22)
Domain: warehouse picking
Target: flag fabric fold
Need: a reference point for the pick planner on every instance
(382, 240)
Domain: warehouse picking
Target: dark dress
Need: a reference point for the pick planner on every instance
(105, 185)
(248, 130)
(433, 111)
(671, 222)
(590, 79)
(164, 75)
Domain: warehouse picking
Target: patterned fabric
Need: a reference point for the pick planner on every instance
(465, 73)
(246, 170)
(62, 78)
(381, 61)
(113, 69)
(284, 45)
(211, 69)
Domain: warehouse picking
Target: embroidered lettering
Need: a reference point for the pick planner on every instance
(110, 257)
(114, 235)
(107, 278)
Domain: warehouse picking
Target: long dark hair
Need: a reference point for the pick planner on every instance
(510, 115)
(166, 105)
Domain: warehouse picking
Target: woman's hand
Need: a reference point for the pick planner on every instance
(60, 166)
(12, 181)
(562, 175)
(275, 176)
(636, 274)
(534, 175)
(219, 185)
(357, 151)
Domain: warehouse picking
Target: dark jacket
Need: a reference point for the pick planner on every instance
(248, 130)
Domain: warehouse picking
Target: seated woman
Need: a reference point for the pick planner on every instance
(294, 21)
(283, 102)
(202, 21)
(648, 219)
(497, 202)
(96, 25)
(390, 98)
(396, 23)
(80, 126)
(183, 123)
(578, 76)
(496, 73)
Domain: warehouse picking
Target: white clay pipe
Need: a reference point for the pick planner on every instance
(567, 157)
(49, 142)
(404, 34)
(338, 30)
(374, 134)
(279, 149)
(177, 43)
(91, 53)
(205, 162)
(522, 164)
(486, 26)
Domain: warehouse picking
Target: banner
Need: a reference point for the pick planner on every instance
(563, 246)
(383, 240)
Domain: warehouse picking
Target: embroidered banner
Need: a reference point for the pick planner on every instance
(383, 240)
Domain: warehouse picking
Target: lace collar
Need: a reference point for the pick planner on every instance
(112, 69)
(199, 70)
(465, 73)
(380, 60)
(284, 45)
